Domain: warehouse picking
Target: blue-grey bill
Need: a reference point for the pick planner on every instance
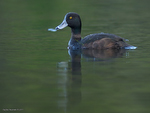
(61, 26)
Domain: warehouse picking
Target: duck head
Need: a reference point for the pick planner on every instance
(73, 21)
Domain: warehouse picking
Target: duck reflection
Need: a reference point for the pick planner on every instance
(70, 78)
(103, 54)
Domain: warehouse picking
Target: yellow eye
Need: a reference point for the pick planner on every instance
(70, 17)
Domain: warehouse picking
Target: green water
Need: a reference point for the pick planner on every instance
(37, 75)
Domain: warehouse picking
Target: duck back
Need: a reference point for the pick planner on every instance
(103, 41)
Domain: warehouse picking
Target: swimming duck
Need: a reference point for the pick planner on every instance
(92, 41)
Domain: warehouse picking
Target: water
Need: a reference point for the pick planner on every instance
(37, 75)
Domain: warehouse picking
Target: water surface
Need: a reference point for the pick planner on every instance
(37, 75)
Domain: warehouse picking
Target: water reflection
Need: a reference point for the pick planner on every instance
(70, 78)
(99, 55)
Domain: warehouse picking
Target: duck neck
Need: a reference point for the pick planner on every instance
(76, 34)
(74, 42)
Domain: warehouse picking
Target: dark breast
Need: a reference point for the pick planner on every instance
(103, 41)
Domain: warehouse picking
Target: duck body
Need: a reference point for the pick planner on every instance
(99, 41)
(92, 41)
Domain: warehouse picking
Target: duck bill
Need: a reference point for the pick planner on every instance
(62, 25)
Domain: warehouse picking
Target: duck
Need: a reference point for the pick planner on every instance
(93, 41)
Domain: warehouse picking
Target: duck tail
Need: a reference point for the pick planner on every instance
(130, 47)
